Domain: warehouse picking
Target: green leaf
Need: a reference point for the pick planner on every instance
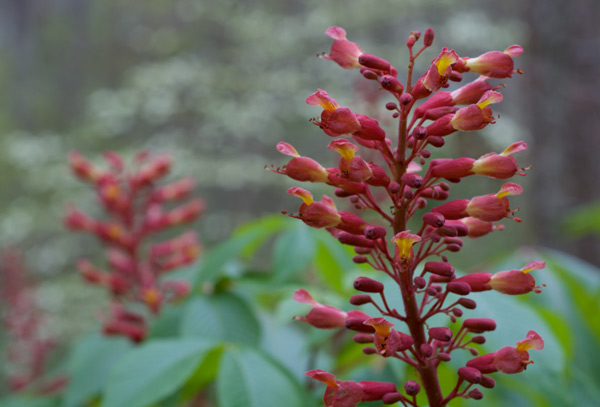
(220, 317)
(167, 325)
(205, 373)
(153, 371)
(293, 252)
(245, 240)
(249, 378)
(332, 261)
(89, 365)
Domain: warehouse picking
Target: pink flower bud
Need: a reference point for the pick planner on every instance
(493, 207)
(374, 62)
(434, 219)
(479, 325)
(355, 322)
(440, 333)
(360, 299)
(351, 223)
(475, 394)
(389, 83)
(374, 232)
(376, 390)
(156, 168)
(459, 226)
(174, 191)
(362, 338)
(516, 282)
(83, 168)
(368, 285)
(412, 388)
(439, 268)
(440, 99)
(477, 281)
(369, 129)
(354, 240)
(467, 302)
(428, 37)
(459, 287)
(494, 64)
(392, 398)
(78, 220)
(487, 382)
(470, 374)
(379, 178)
(412, 179)
(184, 214)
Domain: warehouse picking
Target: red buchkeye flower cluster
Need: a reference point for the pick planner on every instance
(28, 345)
(416, 262)
(135, 205)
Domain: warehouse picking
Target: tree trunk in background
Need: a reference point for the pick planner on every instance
(564, 116)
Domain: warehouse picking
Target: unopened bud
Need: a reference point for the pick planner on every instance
(434, 219)
(363, 338)
(412, 179)
(428, 37)
(406, 99)
(475, 394)
(419, 132)
(360, 259)
(373, 232)
(457, 312)
(444, 357)
(459, 287)
(369, 351)
(469, 374)
(441, 333)
(394, 187)
(479, 325)
(354, 240)
(392, 398)
(425, 153)
(368, 285)
(412, 388)
(368, 74)
(479, 339)
(362, 250)
(420, 282)
(467, 303)
(455, 76)
(487, 382)
(391, 84)
(436, 141)
(374, 62)
(426, 350)
(391, 106)
(360, 299)
(440, 268)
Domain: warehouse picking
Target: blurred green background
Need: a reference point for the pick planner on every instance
(219, 83)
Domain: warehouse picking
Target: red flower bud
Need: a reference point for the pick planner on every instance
(479, 325)
(459, 287)
(439, 268)
(412, 388)
(343, 52)
(368, 285)
(374, 62)
(440, 333)
(469, 374)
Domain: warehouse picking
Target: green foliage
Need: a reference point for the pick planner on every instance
(584, 221)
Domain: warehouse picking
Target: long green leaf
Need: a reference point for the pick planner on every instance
(249, 378)
(153, 371)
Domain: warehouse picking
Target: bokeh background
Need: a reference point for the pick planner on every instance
(217, 83)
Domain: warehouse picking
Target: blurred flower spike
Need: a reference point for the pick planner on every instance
(137, 207)
(388, 180)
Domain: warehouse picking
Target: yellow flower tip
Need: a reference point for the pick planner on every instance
(405, 240)
(382, 327)
(302, 193)
(151, 296)
(488, 98)
(345, 148)
(509, 188)
(115, 231)
(534, 265)
(446, 59)
(532, 341)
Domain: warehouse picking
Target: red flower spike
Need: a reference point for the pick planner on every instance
(343, 52)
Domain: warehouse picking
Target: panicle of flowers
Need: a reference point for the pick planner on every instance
(137, 208)
(411, 183)
(28, 342)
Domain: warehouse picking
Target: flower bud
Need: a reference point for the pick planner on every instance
(487, 382)
(369, 129)
(374, 232)
(374, 62)
(459, 287)
(457, 312)
(362, 338)
(391, 106)
(475, 394)
(439, 268)
(369, 350)
(360, 299)
(420, 282)
(368, 285)
(412, 388)
(355, 322)
(479, 325)
(434, 219)
(392, 398)
(444, 357)
(426, 350)
(354, 240)
(469, 374)
(360, 259)
(483, 363)
(428, 37)
(436, 141)
(412, 179)
(368, 74)
(440, 333)
(376, 390)
(343, 52)
(467, 303)
(406, 99)
(391, 84)
(452, 210)
(479, 339)
(477, 281)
